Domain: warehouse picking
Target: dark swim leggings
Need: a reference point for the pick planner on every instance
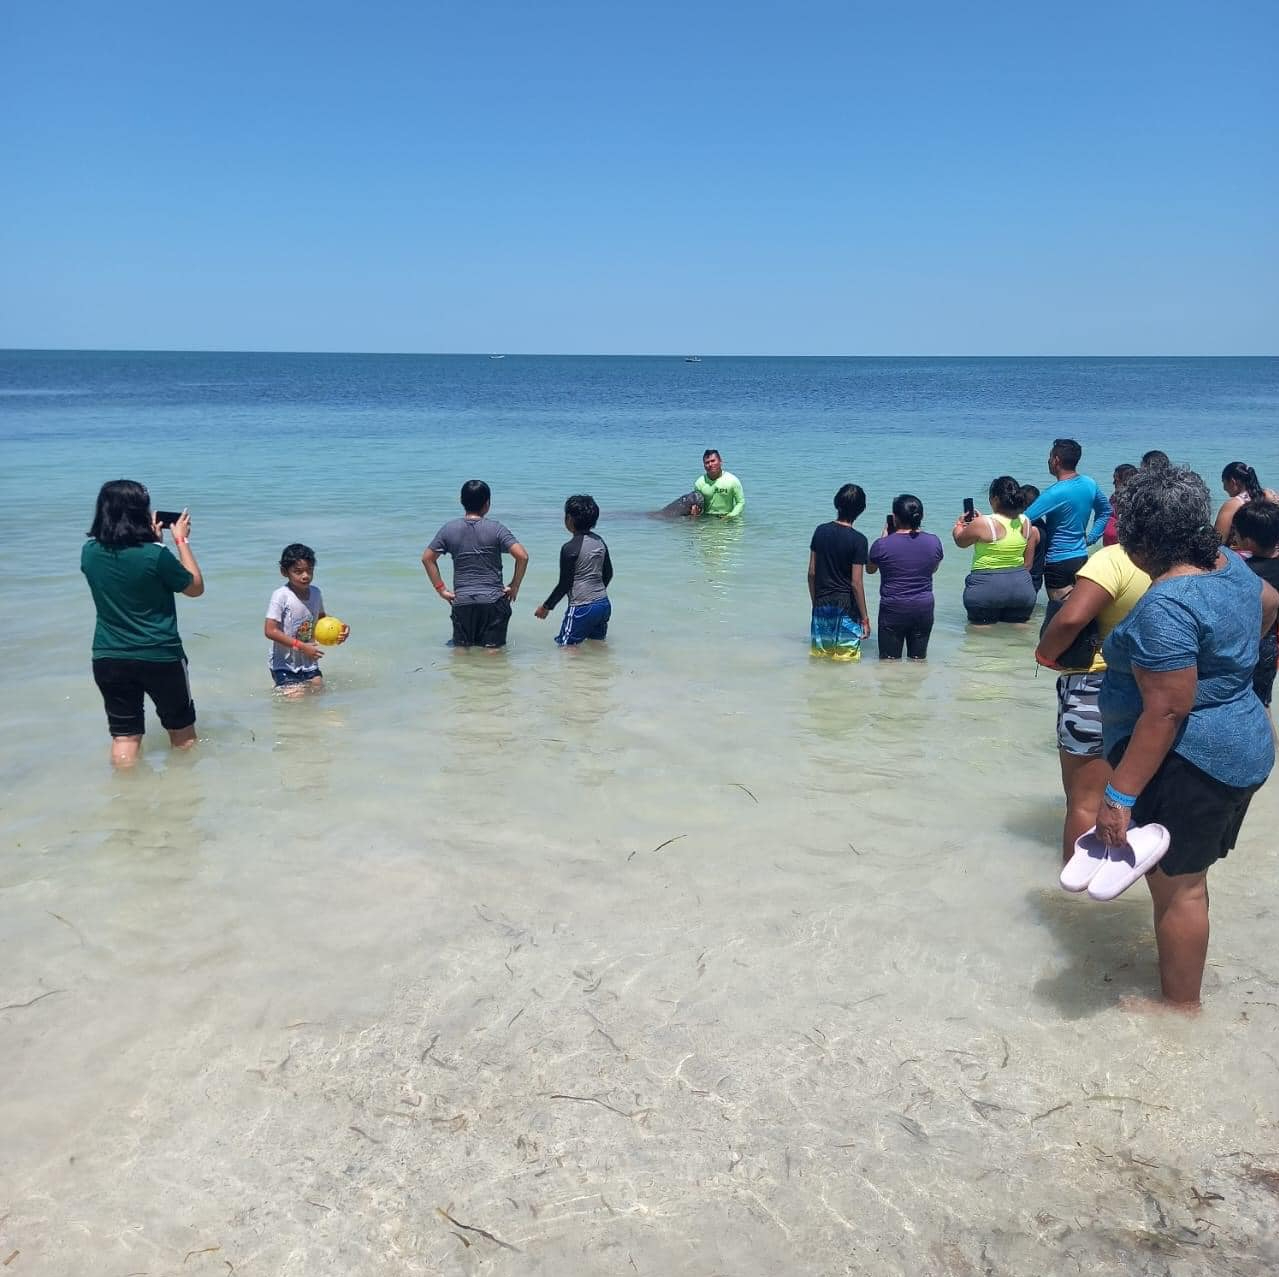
(904, 630)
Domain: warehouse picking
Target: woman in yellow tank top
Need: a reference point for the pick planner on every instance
(999, 587)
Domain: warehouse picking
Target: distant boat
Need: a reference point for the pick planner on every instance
(692, 359)
(497, 356)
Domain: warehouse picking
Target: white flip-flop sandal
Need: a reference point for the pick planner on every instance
(1147, 845)
(1084, 865)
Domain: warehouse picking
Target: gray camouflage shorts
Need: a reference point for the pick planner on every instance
(1078, 718)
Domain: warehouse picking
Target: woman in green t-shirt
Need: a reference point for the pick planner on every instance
(136, 648)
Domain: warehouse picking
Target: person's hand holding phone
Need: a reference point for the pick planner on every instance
(180, 530)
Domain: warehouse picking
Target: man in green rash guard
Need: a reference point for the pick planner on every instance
(722, 491)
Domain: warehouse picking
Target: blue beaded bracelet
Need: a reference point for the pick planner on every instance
(1120, 800)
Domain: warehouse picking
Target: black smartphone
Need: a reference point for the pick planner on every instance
(969, 515)
(167, 518)
(889, 528)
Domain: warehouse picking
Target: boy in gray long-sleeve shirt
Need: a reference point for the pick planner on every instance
(585, 571)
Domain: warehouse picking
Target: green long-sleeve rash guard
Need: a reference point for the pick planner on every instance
(723, 497)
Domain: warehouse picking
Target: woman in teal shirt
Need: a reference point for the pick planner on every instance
(1185, 733)
(136, 648)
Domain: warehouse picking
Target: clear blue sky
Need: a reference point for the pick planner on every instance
(833, 178)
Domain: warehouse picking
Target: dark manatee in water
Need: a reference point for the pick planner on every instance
(682, 507)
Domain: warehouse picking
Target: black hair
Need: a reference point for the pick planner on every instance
(1006, 493)
(712, 452)
(1154, 460)
(1068, 452)
(122, 517)
(582, 512)
(475, 496)
(1123, 473)
(1259, 522)
(1242, 472)
(296, 553)
(908, 512)
(1165, 520)
(1029, 494)
(850, 501)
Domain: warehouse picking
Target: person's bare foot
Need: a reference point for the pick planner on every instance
(1139, 1004)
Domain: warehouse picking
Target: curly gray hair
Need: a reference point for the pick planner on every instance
(1165, 519)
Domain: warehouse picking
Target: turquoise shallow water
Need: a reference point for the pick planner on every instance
(248, 951)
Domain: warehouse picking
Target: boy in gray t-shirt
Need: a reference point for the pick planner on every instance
(294, 658)
(481, 601)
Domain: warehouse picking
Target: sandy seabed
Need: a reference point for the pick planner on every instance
(271, 1010)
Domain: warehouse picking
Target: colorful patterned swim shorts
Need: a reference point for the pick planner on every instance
(835, 634)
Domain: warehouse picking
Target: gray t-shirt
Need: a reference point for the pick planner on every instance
(297, 619)
(477, 546)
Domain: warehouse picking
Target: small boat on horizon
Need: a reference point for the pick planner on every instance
(497, 356)
(692, 359)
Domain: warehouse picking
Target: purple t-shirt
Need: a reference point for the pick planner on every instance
(906, 565)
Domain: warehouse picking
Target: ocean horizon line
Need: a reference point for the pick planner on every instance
(529, 354)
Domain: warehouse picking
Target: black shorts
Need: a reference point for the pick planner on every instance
(1061, 576)
(123, 683)
(1263, 677)
(481, 624)
(1202, 815)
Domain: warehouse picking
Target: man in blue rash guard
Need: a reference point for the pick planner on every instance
(1065, 508)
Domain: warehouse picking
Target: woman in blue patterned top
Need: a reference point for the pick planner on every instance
(1186, 735)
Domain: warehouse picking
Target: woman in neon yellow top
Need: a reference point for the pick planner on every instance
(999, 587)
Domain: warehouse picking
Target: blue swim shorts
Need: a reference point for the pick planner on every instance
(287, 678)
(584, 621)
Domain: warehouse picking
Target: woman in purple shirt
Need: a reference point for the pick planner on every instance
(907, 559)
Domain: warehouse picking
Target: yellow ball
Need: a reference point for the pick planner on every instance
(328, 629)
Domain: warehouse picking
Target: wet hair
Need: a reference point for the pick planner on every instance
(1006, 493)
(475, 495)
(850, 501)
(1154, 460)
(1259, 522)
(1123, 473)
(1242, 472)
(296, 553)
(122, 516)
(1165, 519)
(582, 512)
(908, 512)
(709, 453)
(1029, 494)
(1068, 452)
